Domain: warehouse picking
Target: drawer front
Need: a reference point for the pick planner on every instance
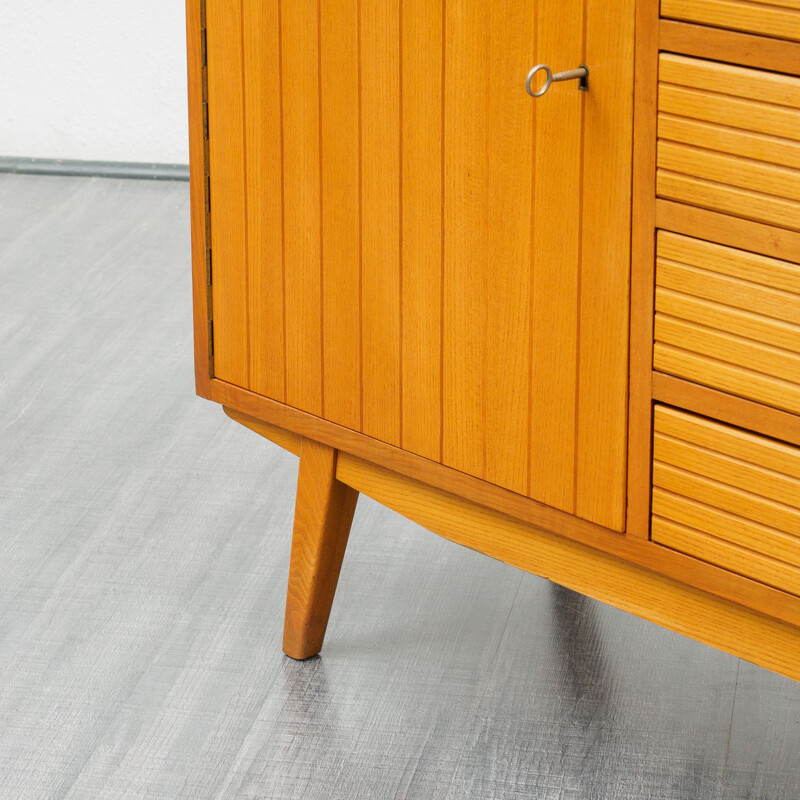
(727, 497)
(729, 139)
(777, 18)
(728, 319)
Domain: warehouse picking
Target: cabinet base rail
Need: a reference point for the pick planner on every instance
(329, 482)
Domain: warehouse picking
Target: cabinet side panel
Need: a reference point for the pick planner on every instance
(423, 54)
(380, 224)
(556, 258)
(605, 268)
(301, 197)
(261, 20)
(341, 222)
(195, 74)
(227, 197)
(465, 224)
(508, 280)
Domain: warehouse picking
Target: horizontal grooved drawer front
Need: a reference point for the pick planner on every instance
(727, 497)
(777, 18)
(729, 139)
(728, 319)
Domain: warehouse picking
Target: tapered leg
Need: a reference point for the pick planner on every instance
(323, 514)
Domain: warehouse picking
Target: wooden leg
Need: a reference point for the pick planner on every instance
(323, 513)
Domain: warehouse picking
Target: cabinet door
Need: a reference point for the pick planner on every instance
(409, 245)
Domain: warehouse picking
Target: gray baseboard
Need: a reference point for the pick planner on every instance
(102, 169)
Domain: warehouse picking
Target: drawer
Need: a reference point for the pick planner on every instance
(777, 18)
(729, 139)
(727, 497)
(728, 319)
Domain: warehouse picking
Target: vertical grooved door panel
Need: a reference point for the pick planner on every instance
(466, 229)
(603, 324)
(302, 235)
(422, 177)
(510, 127)
(381, 218)
(228, 215)
(341, 223)
(408, 245)
(264, 185)
(557, 229)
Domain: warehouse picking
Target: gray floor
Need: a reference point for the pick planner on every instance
(144, 543)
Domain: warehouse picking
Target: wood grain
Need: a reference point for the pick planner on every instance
(736, 112)
(734, 292)
(466, 220)
(727, 377)
(301, 202)
(398, 285)
(727, 497)
(280, 436)
(729, 79)
(736, 48)
(555, 315)
(197, 179)
(422, 225)
(730, 200)
(637, 551)
(671, 604)
(228, 212)
(732, 170)
(705, 461)
(725, 229)
(727, 408)
(739, 322)
(407, 463)
(781, 20)
(728, 173)
(642, 270)
(724, 526)
(731, 499)
(264, 196)
(739, 350)
(340, 115)
(381, 279)
(709, 136)
(601, 469)
(770, 272)
(323, 515)
(738, 444)
(510, 137)
(716, 551)
(729, 319)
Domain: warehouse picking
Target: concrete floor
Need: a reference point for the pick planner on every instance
(144, 543)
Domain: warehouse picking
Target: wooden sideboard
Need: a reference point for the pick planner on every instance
(561, 330)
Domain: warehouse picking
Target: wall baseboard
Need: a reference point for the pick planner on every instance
(87, 169)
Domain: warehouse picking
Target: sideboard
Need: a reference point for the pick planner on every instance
(525, 272)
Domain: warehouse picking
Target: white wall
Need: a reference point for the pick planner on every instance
(101, 80)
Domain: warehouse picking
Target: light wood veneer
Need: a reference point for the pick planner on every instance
(463, 302)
